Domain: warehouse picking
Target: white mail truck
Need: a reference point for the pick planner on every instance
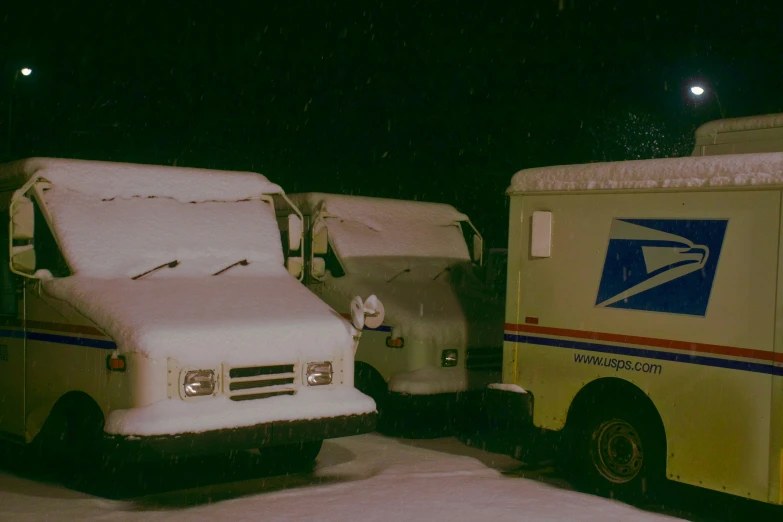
(644, 321)
(441, 342)
(149, 308)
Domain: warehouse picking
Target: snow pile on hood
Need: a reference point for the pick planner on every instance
(431, 313)
(232, 318)
(733, 170)
(393, 232)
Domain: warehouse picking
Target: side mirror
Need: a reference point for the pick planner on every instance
(23, 259)
(478, 249)
(295, 266)
(320, 239)
(318, 268)
(22, 219)
(294, 232)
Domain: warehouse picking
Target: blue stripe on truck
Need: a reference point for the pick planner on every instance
(647, 353)
(60, 339)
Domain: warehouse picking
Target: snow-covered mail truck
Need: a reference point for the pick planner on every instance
(763, 133)
(150, 306)
(644, 320)
(442, 338)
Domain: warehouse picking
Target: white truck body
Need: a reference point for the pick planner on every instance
(159, 296)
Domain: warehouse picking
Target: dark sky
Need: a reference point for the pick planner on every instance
(437, 100)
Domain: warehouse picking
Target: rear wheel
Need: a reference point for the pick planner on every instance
(620, 453)
(299, 456)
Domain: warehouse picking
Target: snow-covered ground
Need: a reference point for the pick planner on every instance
(367, 478)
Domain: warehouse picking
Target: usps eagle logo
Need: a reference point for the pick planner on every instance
(661, 265)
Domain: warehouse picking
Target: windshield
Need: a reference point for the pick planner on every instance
(394, 245)
(127, 237)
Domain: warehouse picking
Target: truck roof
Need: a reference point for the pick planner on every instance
(363, 208)
(762, 133)
(763, 121)
(726, 171)
(111, 179)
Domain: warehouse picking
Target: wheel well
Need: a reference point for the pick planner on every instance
(366, 377)
(76, 402)
(611, 389)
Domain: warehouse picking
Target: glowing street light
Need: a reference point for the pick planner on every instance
(26, 71)
(699, 91)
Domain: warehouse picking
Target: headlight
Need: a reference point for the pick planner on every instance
(199, 382)
(449, 358)
(319, 373)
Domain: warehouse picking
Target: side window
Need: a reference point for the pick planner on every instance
(8, 279)
(332, 263)
(47, 252)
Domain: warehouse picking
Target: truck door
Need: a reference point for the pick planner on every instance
(12, 342)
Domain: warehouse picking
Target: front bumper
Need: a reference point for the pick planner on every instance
(507, 410)
(260, 435)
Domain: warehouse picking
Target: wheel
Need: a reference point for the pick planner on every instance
(370, 382)
(71, 435)
(299, 456)
(621, 453)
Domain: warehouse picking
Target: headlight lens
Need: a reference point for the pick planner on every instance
(198, 383)
(449, 358)
(319, 373)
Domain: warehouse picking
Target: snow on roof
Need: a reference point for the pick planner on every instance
(711, 129)
(733, 170)
(106, 180)
(366, 209)
(391, 231)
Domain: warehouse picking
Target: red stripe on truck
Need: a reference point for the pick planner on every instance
(731, 351)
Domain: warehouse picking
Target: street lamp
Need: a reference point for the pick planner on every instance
(699, 91)
(26, 71)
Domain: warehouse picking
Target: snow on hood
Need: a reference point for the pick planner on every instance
(431, 312)
(233, 319)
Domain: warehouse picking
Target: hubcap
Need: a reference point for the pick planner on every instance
(616, 451)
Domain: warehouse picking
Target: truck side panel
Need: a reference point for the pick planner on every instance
(698, 340)
(776, 436)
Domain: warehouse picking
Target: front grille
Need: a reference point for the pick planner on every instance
(260, 382)
(484, 359)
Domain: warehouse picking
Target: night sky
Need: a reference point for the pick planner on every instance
(441, 101)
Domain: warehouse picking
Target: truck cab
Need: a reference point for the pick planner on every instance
(151, 308)
(442, 338)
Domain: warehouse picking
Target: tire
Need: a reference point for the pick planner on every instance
(620, 453)
(370, 382)
(291, 457)
(72, 435)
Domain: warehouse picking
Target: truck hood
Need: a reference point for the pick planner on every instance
(435, 313)
(206, 320)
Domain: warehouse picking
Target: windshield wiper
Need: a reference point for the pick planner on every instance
(244, 262)
(170, 264)
(398, 275)
(447, 269)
